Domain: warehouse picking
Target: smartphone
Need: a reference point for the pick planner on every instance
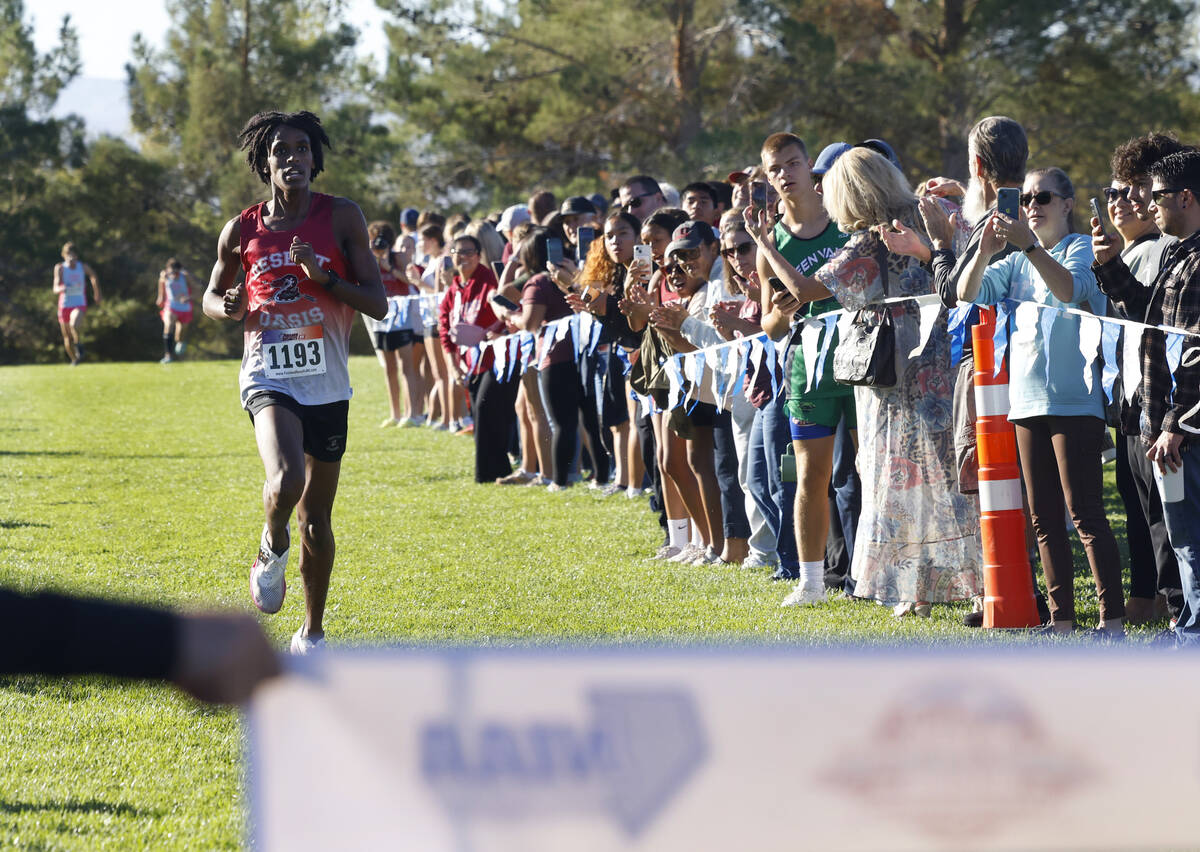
(505, 302)
(554, 251)
(777, 285)
(758, 195)
(447, 263)
(1008, 202)
(585, 236)
(498, 268)
(642, 252)
(1100, 213)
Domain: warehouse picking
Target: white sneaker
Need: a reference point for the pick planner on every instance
(302, 645)
(633, 493)
(707, 557)
(758, 560)
(268, 581)
(389, 421)
(611, 489)
(538, 479)
(666, 552)
(805, 596)
(687, 554)
(180, 348)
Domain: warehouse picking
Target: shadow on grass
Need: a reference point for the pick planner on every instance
(12, 525)
(41, 452)
(88, 806)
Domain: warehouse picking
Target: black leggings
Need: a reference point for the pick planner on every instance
(564, 398)
(492, 404)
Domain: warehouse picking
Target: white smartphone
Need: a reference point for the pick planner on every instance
(642, 252)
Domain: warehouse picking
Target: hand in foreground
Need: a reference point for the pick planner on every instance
(562, 274)
(1014, 231)
(942, 187)
(1164, 452)
(234, 302)
(669, 317)
(785, 303)
(938, 224)
(306, 256)
(1104, 245)
(900, 239)
(222, 658)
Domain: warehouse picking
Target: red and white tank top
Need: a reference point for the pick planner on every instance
(397, 318)
(297, 336)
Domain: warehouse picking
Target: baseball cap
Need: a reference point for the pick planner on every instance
(691, 234)
(577, 205)
(828, 155)
(518, 214)
(883, 148)
(740, 176)
(599, 202)
(409, 217)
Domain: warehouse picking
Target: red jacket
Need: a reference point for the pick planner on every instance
(468, 302)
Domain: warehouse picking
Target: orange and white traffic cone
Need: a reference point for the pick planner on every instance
(1008, 599)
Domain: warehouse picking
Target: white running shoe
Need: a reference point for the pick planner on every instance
(633, 492)
(758, 560)
(389, 421)
(611, 489)
(805, 596)
(708, 557)
(666, 552)
(302, 645)
(268, 581)
(687, 554)
(180, 348)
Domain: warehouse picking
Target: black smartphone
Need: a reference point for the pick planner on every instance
(777, 285)
(506, 303)
(758, 195)
(584, 237)
(447, 263)
(1100, 213)
(1008, 202)
(554, 251)
(498, 268)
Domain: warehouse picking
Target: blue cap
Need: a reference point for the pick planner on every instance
(409, 217)
(883, 148)
(827, 156)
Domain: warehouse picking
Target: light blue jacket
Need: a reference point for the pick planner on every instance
(1046, 368)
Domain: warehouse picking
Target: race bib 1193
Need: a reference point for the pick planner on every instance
(291, 352)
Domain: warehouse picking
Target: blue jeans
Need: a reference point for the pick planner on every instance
(1183, 528)
(847, 489)
(770, 436)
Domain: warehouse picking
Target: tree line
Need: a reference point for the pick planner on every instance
(477, 104)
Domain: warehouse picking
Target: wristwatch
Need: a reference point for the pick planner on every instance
(334, 278)
(1032, 248)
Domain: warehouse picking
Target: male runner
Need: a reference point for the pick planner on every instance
(308, 268)
(72, 299)
(174, 301)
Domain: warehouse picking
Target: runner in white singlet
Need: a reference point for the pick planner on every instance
(69, 284)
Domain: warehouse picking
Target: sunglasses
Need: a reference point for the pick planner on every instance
(463, 252)
(1113, 194)
(741, 250)
(687, 256)
(636, 202)
(1042, 198)
(1157, 195)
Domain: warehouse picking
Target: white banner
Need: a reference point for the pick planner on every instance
(741, 749)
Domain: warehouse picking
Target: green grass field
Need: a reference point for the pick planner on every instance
(142, 482)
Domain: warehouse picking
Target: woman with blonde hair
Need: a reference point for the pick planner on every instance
(918, 537)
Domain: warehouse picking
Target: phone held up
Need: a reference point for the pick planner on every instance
(505, 302)
(554, 251)
(641, 251)
(584, 238)
(1101, 215)
(1008, 202)
(498, 268)
(758, 195)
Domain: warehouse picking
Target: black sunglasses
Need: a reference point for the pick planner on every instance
(1042, 198)
(741, 249)
(1113, 194)
(1157, 195)
(636, 202)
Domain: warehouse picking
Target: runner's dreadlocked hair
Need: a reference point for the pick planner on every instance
(255, 139)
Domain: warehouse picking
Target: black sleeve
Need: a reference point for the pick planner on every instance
(944, 280)
(1122, 289)
(59, 635)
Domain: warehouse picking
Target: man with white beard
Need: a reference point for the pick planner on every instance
(997, 151)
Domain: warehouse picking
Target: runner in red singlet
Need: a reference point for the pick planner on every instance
(308, 268)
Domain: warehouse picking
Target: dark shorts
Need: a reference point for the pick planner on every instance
(684, 424)
(324, 425)
(388, 341)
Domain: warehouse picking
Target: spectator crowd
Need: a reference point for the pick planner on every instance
(840, 462)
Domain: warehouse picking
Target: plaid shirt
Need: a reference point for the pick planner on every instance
(1174, 300)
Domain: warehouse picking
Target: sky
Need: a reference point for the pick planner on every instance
(105, 34)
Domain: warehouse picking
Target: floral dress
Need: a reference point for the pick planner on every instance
(918, 536)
